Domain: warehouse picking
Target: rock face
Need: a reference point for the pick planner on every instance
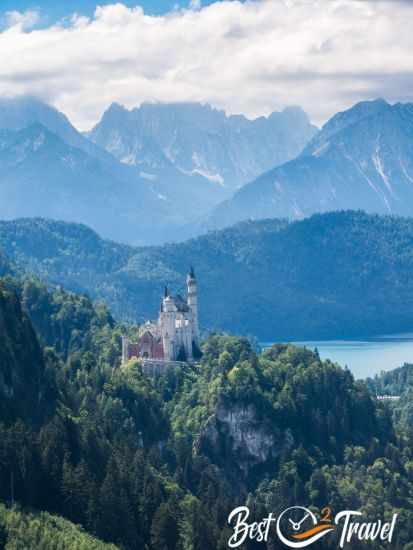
(361, 159)
(197, 139)
(237, 434)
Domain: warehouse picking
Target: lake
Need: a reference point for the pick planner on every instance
(366, 357)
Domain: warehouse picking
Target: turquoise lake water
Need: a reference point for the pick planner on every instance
(366, 357)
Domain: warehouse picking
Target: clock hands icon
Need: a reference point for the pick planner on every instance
(297, 524)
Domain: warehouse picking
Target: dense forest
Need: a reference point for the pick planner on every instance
(93, 451)
(336, 275)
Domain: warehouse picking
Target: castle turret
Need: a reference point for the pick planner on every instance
(193, 302)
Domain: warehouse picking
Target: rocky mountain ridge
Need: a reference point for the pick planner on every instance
(198, 139)
(360, 159)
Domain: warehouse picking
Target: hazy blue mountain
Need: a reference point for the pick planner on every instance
(335, 275)
(20, 112)
(41, 175)
(65, 176)
(197, 139)
(362, 159)
(341, 120)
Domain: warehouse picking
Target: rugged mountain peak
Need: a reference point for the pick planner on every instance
(112, 112)
(63, 175)
(344, 119)
(361, 159)
(18, 113)
(198, 139)
(292, 113)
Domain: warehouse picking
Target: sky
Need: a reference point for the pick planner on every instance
(250, 57)
(53, 10)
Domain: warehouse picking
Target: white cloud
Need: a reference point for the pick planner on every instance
(195, 4)
(251, 57)
(23, 20)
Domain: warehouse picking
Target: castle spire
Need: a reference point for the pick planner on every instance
(166, 292)
(192, 272)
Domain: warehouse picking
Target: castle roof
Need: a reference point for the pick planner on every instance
(150, 327)
(179, 302)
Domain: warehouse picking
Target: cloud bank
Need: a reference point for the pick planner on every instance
(251, 58)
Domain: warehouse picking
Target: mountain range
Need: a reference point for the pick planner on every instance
(165, 172)
(198, 139)
(138, 192)
(362, 158)
(334, 275)
(50, 169)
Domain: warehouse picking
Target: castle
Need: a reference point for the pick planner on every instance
(175, 336)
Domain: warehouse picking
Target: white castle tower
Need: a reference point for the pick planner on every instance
(193, 303)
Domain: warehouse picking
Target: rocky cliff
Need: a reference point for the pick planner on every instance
(237, 435)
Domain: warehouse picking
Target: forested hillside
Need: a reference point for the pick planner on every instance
(24, 390)
(397, 383)
(159, 463)
(41, 531)
(5, 268)
(334, 275)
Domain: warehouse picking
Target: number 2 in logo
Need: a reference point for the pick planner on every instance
(326, 515)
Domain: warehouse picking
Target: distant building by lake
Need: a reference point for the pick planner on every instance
(388, 397)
